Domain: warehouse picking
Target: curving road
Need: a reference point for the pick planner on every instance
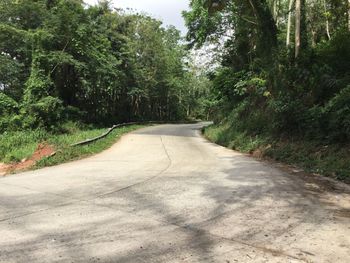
(165, 194)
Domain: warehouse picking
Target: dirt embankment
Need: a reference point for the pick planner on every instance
(43, 150)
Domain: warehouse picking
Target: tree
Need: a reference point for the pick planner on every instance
(290, 6)
(297, 27)
(349, 15)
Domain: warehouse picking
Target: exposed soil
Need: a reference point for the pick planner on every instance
(43, 150)
(3, 168)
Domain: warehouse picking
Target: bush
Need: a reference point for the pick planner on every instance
(37, 86)
(336, 53)
(314, 123)
(4, 123)
(7, 104)
(73, 113)
(288, 113)
(337, 112)
(46, 113)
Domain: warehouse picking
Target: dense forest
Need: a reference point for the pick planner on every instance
(61, 60)
(283, 77)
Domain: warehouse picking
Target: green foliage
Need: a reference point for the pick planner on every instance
(201, 22)
(15, 146)
(37, 86)
(288, 112)
(225, 84)
(8, 110)
(10, 122)
(336, 53)
(227, 134)
(337, 112)
(45, 113)
(62, 60)
(11, 74)
(7, 104)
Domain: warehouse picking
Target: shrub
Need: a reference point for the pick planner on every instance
(288, 112)
(7, 104)
(336, 53)
(46, 113)
(337, 112)
(73, 113)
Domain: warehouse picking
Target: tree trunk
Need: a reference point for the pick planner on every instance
(327, 21)
(289, 21)
(349, 15)
(297, 27)
(266, 25)
(313, 38)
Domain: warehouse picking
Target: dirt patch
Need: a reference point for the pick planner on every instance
(43, 150)
(4, 168)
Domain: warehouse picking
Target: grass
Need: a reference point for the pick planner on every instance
(15, 146)
(313, 156)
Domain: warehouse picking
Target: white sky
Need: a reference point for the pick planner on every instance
(169, 11)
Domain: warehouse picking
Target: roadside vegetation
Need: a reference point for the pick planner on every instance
(282, 84)
(16, 147)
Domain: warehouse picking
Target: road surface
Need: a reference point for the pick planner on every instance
(165, 194)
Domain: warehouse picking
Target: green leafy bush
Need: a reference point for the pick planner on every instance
(337, 112)
(7, 104)
(8, 109)
(37, 86)
(45, 113)
(288, 112)
(336, 52)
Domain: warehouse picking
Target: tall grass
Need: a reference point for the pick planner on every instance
(15, 146)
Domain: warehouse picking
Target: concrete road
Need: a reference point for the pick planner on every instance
(165, 194)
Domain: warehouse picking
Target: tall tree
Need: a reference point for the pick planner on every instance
(297, 27)
(290, 6)
(349, 15)
(326, 14)
(301, 41)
